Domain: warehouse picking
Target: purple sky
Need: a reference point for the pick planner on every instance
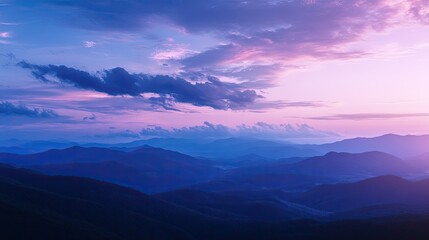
(303, 70)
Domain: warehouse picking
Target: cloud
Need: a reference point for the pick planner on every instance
(8, 108)
(243, 16)
(260, 130)
(5, 35)
(370, 116)
(170, 52)
(169, 90)
(420, 10)
(252, 33)
(89, 44)
(90, 118)
(8, 23)
(261, 106)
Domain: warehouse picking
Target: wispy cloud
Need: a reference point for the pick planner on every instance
(8, 23)
(369, 116)
(89, 44)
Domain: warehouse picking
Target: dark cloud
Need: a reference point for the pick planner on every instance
(259, 130)
(90, 118)
(370, 116)
(170, 90)
(8, 108)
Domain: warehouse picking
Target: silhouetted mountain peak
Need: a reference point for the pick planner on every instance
(398, 145)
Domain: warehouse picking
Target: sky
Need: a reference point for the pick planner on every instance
(292, 70)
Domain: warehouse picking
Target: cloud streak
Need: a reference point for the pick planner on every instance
(370, 116)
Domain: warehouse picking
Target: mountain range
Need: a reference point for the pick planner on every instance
(154, 170)
(147, 169)
(401, 146)
(35, 206)
(138, 191)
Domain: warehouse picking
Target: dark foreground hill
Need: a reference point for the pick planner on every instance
(266, 206)
(385, 195)
(34, 206)
(80, 208)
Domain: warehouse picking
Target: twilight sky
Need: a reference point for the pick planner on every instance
(296, 70)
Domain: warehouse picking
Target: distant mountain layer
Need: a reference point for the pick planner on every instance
(26, 147)
(232, 148)
(220, 148)
(401, 146)
(156, 170)
(147, 169)
(309, 172)
(68, 155)
(349, 165)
